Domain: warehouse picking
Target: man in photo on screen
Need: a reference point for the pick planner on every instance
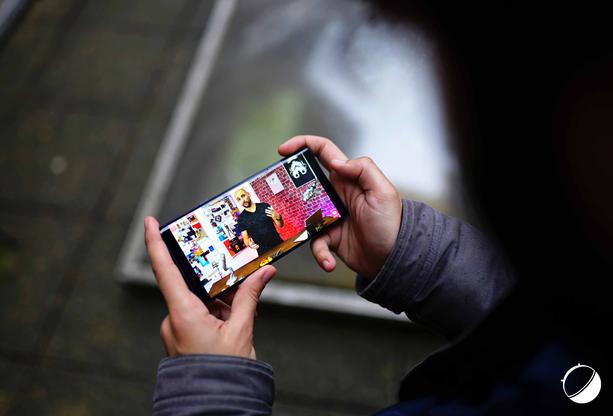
(257, 223)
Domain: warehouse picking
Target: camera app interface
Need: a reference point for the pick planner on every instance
(246, 228)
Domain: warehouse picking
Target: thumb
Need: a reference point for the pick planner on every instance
(247, 297)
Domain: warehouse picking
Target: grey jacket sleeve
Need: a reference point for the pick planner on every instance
(443, 273)
(213, 385)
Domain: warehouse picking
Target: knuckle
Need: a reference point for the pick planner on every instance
(326, 143)
(253, 294)
(367, 161)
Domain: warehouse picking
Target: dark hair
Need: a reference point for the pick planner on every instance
(529, 99)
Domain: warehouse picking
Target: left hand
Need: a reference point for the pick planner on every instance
(194, 328)
(272, 214)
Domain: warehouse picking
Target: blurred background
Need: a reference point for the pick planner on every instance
(112, 110)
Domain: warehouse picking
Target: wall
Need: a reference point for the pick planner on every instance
(289, 202)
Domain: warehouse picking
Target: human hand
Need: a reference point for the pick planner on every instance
(276, 217)
(270, 212)
(194, 328)
(365, 239)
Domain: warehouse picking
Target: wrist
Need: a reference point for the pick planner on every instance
(386, 246)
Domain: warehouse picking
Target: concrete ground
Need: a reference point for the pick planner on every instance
(86, 91)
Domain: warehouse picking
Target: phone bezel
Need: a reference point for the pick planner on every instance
(190, 277)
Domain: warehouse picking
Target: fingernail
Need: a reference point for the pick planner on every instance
(339, 161)
(147, 221)
(326, 264)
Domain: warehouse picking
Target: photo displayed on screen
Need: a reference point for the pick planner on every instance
(247, 227)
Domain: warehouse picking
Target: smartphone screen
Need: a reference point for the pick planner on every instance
(223, 240)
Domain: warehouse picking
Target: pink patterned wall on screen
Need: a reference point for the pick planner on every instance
(289, 202)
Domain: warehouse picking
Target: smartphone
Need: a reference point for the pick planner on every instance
(220, 242)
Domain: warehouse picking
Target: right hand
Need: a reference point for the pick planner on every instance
(365, 239)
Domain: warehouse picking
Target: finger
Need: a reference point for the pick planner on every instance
(166, 273)
(227, 296)
(220, 310)
(321, 251)
(247, 297)
(167, 336)
(365, 171)
(325, 150)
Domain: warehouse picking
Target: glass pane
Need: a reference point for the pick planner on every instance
(326, 68)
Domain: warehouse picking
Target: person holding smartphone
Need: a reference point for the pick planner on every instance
(531, 112)
(441, 272)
